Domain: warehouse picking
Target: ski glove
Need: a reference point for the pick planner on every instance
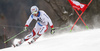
(25, 28)
(52, 31)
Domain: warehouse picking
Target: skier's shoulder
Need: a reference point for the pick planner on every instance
(42, 11)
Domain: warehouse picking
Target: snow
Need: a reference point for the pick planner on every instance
(74, 41)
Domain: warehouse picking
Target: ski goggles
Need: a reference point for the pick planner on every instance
(35, 12)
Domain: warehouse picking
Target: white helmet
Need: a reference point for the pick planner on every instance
(34, 9)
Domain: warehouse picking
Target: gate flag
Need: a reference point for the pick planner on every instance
(78, 6)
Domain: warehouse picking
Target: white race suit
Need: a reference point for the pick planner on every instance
(41, 25)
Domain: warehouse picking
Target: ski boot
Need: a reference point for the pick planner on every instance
(34, 39)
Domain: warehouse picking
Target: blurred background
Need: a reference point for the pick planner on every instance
(14, 13)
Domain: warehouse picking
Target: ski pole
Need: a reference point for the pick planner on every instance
(13, 36)
(65, 27)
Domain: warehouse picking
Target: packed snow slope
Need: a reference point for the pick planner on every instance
(76, 41)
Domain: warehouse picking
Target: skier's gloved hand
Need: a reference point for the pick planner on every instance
(25, 28)
(52, 31)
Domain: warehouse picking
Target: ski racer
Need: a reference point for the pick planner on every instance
(41, 25)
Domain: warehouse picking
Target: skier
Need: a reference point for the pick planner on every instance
(41, 25)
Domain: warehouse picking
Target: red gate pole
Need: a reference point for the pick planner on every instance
(80, 17)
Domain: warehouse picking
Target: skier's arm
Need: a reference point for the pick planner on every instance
(50, 23)
(28, 21)
(49, 20)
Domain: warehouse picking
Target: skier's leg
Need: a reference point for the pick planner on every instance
(34, 38)
(35, 31)
(32, 34)
(40, 30)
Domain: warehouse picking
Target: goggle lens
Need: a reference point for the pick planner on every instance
(34, 12)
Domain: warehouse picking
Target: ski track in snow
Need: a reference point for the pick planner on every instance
(76, 41)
